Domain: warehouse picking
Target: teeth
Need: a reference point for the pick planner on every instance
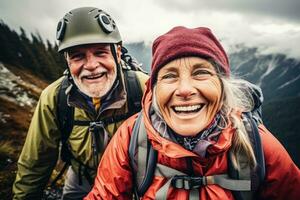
(187, 108)
(95, 76)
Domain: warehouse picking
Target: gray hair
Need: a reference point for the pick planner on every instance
(238, 97)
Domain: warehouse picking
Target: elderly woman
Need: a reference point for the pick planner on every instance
(193, 119)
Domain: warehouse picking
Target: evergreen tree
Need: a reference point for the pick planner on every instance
(44, 62)
(9, 41)
(28, 57)
(58, 59)
(30, 53)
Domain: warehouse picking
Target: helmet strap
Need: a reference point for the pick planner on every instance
(67, 71)
(113, 48)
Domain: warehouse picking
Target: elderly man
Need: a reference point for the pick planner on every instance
(79, 113)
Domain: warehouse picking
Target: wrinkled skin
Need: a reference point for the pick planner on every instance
(188, 94)
(93, 68)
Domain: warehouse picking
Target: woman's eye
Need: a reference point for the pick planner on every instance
(168, 76)
(202, 73)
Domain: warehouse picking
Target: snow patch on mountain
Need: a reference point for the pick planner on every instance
(270, 65)
(289, 82)
(11, 90)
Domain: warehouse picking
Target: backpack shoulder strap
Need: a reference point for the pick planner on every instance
(65, 119)
(258, 149)
(134, 91)
(139, 149)
(255, 175)
(65, 115)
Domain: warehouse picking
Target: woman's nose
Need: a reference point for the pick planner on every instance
(185, 88)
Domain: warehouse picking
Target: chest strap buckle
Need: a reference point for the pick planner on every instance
(188, 182)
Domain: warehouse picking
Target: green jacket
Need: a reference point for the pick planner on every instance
(41, 149)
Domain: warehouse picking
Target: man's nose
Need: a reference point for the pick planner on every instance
(91, 62)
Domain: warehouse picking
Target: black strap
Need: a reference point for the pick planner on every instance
(258, 149)
(64, 111)
(134, 91)
(87, 175)
(80, 174)
(65, 115)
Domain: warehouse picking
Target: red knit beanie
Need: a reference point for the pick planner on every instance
(183, 42)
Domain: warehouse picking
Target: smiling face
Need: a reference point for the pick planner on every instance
(188, 93)
(93, 68)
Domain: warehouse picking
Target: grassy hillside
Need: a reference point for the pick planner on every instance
(14, 122)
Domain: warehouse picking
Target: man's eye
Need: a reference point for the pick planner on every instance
(101, 53)
(77, 56)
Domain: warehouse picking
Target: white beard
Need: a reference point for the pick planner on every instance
(93, 90)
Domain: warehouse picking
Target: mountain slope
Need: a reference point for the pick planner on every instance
(282, 118)
(141, 52)
(277, 75)
(19, 93)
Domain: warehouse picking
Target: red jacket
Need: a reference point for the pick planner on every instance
(114, 178)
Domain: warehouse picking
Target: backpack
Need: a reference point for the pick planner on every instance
(65, 113)
(243, 183)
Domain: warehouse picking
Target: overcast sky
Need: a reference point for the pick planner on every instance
(271, 25)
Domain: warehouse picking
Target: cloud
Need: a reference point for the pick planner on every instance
(272, 25)
(288, 9)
